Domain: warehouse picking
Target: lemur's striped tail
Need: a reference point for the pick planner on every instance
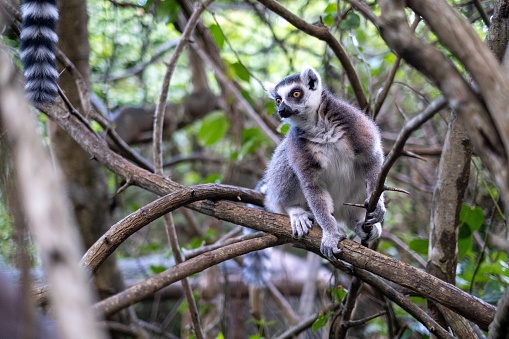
(38, 39)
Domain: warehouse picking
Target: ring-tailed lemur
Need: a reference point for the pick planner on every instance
(38, 39)
(331, 155)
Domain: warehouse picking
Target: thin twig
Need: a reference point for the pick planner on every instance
(346, 315)
(412, 125)
(482, 13)
(223, 79)
(404, 303)
(305, 323)
(322, 32)
(171, 231)
(178, 272)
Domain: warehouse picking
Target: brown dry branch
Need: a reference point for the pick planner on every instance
(132, 223)
(180, 271)
(380, 98)
(163, 96)
(322, 32)
(405, 304)
(397, 149)
(400, 273)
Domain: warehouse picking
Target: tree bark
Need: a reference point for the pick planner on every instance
(452, 182)
(85, 180)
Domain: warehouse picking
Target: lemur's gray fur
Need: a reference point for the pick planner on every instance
(332, 155)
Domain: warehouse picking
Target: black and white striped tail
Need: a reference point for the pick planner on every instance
(38, 39)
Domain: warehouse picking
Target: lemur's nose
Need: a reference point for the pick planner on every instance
(284, 111)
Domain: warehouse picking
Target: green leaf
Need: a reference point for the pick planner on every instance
(331, 8)
(464, 246)
(213, 128)
(96, 127)
(328, 20)
(270, 106)
(217, 34)
(156, 269)
(471, 216)
(213, 178)
(284, 128)
(252, 139)
(338, 292)
(241, 71)
(352, 21)
(419, 245)
(320, 322)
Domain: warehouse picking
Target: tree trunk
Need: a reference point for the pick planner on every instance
(85, 179)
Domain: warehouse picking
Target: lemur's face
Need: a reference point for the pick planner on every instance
(297, 96)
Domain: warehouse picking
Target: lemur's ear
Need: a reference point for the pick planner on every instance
(271, 89)
(310, 78)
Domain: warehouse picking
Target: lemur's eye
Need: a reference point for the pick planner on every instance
(296, 94)
(278, 101)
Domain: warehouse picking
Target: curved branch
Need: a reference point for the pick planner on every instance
(132, 223)
(197, 264)
(321, 32)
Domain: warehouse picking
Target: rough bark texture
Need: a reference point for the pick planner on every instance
(84, 178)
(453, 174)
(497, 40)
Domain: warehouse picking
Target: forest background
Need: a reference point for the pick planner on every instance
(163, 109)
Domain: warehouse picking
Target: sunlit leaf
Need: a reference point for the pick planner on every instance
(213, 128)
(328, 20)
(241, 71)
(284, 128)
(419, 245)
(156, 269)
(320, 322)
(217, 34)
(331, 8)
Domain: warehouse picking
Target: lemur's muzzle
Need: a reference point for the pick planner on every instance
(284, 111)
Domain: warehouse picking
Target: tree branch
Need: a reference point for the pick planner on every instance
(153, 284)
(321, 32)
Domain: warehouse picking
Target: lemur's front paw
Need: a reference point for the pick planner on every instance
(374, 233)
(376, 216)
(301, 221)
(329, 246)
